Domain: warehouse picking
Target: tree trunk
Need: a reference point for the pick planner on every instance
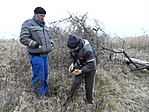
(136, 61)
(145, 64)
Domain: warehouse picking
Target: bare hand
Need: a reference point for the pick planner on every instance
(77, 73)
(71, 67)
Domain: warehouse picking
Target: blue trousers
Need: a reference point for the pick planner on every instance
(40, 74)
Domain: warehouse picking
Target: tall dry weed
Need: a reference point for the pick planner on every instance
(115, 89)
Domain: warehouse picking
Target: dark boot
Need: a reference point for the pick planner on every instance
(47, 93)
(90, 101)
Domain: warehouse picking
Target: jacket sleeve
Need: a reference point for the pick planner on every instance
(90, 62)
(25, 36)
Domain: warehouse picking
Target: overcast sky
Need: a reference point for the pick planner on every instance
(120, 17)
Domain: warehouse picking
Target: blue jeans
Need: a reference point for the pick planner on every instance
(40, 74)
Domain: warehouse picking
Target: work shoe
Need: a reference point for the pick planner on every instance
(90, 102)
(47, 93)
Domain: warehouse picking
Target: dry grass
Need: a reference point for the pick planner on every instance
(116, 88)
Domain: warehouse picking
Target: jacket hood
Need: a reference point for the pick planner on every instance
(85, 42)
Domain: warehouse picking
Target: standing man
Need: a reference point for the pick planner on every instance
(83, 55)
(36, 36)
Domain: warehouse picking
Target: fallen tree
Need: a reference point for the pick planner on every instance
(143, 64)
(136, 61)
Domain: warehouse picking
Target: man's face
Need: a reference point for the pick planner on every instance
(40, 17)
(75, 49)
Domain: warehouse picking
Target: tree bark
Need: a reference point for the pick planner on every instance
(136, 61)
(145, 64)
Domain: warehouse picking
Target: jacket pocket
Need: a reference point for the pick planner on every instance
(37, 34)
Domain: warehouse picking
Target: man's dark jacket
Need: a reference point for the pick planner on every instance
(32, 33)
(85, 57)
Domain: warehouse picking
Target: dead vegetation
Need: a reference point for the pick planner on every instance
(116, 89)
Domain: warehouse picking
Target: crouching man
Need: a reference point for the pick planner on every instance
(83, 55)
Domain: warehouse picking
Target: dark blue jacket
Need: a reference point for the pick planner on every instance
(85, 57)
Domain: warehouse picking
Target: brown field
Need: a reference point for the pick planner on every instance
(116, 89)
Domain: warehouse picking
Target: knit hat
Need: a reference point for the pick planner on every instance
(73, 41)
(39, 10)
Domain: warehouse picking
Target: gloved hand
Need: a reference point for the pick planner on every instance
(71, 67)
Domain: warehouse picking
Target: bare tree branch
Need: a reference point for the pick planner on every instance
(120, 52)
(59, 20)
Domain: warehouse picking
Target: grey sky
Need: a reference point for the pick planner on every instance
(121, 17)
